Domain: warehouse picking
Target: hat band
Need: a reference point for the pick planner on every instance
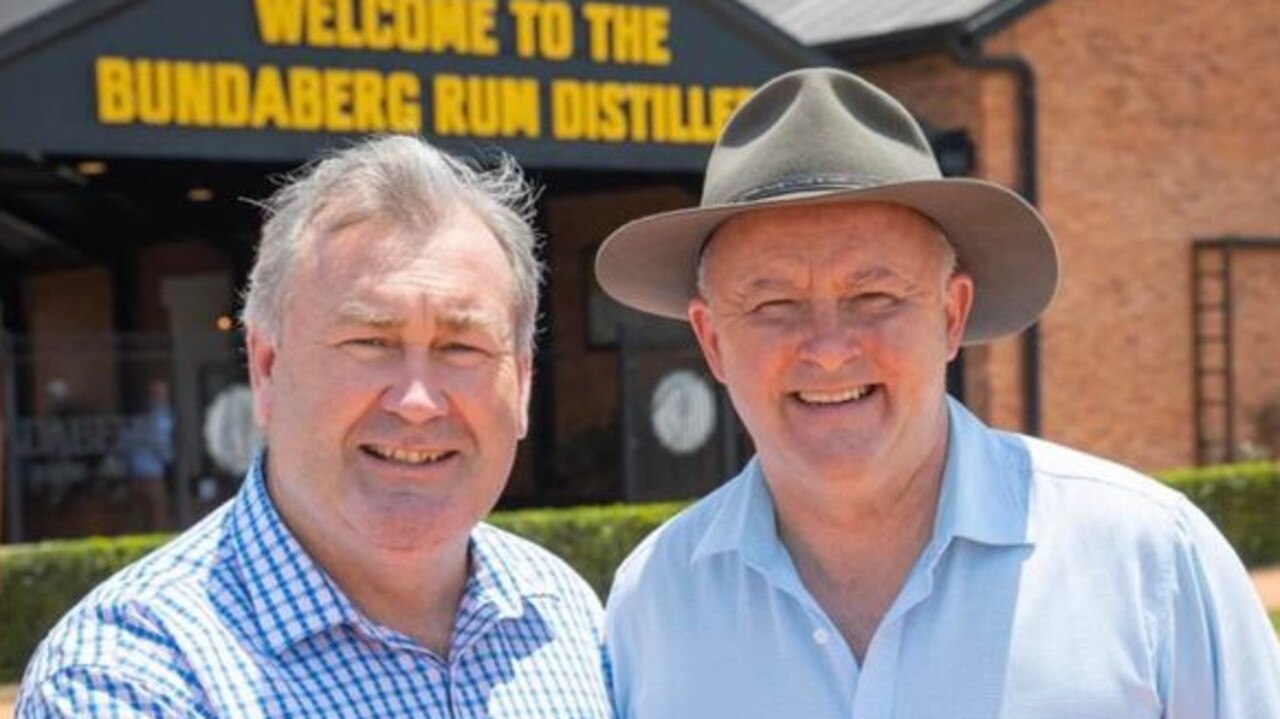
(805, 183)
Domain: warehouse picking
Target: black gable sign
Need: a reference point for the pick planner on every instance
(559, 83)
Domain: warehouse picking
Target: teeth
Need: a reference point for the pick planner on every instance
(834, 397)
(407, 456)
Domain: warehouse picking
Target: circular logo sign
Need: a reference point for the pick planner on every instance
(682, 411)
(230, 435)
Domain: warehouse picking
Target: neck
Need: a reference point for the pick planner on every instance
(415, 592)
(854, 543)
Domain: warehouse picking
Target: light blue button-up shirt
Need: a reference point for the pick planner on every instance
(1055, 585)
(233, 619)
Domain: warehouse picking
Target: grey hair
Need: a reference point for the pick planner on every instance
(405, 181)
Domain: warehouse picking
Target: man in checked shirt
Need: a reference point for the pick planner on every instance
(390, 320)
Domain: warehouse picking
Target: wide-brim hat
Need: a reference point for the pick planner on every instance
(824, 135)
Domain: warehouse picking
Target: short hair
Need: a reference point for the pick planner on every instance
(405, 181)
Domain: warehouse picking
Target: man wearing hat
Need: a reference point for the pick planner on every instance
(886, 554)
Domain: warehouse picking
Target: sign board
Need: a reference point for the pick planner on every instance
(559, 83)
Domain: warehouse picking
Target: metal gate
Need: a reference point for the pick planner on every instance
(118, 433)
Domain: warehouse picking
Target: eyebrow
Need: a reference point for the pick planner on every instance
(874, 274)
(455, 319)
(877, 273)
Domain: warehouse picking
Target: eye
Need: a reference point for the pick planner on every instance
(775, 306)
(461, 348)
(464, 352)
(875, 300)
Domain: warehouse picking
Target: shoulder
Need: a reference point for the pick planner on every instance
(666, 554)
(1082, 502)
(1063, 479)
(130, 629)
(534, 568)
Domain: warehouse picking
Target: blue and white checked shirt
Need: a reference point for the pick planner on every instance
(232, 619)
(1056, 586)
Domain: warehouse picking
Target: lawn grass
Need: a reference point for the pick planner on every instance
(1275, 620)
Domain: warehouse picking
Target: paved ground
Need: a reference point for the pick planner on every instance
(1266, 580)
(1268, 583)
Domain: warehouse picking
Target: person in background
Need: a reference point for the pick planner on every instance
(147, 448)
(390, 321)
(886, 554)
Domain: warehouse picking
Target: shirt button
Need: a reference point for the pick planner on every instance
(820, 636)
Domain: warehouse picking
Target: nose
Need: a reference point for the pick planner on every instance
(830, 341)
(416, 394)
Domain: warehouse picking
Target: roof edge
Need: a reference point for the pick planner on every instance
(43, 29)
(916, 41)
(756, 25)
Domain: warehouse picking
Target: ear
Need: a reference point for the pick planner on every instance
(262, 358)
(959, 302)
(704, 329)
(524, 380)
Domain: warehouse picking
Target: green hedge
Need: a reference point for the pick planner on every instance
(1243, 500)
(38, 582)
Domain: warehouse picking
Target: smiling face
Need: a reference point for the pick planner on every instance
(831, 325)
(395, 395)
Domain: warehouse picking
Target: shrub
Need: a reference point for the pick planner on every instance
(1242, 499)
(39, 582)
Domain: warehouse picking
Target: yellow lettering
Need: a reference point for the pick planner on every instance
(449, 26)
(379, 33)
(115, 90)
(447, 99)
(523, 108)
(597, 16)
(368, 104)
(482, 21)
(279, 21)
(269, 106)
(337, 100)
(411, 26)
(525, 14)
(320, 17)
(344, 23)
(555, 32)
(567, 110)
(628, 34)
(613, 123)
(404, 102)
(483, 106)
(306, 105)
(657, 32)
(231, 94)
(153, 82)
(193, 93)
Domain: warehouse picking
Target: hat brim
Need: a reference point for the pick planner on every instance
(1001, 242)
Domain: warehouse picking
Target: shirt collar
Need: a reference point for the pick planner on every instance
(498, 580)
(745, 523)
(293, 598)
(985, 485)
(984, 499)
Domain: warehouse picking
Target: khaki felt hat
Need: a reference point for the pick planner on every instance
(823, 135)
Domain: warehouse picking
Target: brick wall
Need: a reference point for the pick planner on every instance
(1157, 126)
